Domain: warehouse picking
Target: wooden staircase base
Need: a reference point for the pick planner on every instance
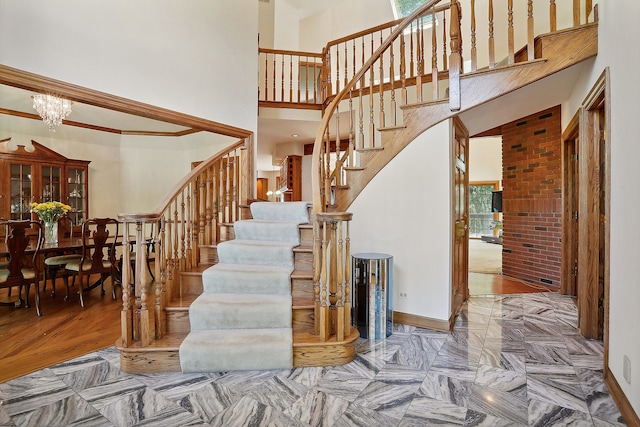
(308, 350)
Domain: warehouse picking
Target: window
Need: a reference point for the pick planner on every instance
(403, 8)
(481, 220)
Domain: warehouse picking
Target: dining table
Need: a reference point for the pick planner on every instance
(63, 245)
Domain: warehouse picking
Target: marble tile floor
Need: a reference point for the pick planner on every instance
(512, 360)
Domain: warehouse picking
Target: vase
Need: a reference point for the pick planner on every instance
(51, 232)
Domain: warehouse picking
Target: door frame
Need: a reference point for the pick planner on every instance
(570, 166)
(593, 183)
(459, 130)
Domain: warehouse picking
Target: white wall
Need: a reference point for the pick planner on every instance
(618, 25)
(193, 57)
(348, 17)
(485, 159)
(419, 238)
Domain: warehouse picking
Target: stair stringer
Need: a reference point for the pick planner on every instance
(561, 50)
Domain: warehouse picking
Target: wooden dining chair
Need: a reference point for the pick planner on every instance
(18, 273)
(56, 263)
(99, 240)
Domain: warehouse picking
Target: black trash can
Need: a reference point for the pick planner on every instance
(372, 294)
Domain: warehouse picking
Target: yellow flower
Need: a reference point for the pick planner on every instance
(50, 211)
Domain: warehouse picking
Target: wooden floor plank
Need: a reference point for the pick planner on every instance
(64, 331)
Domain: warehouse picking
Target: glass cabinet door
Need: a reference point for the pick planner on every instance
(77, 195)
(21, 196)
(51, 184)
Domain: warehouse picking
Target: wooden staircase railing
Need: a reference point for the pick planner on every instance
(392, 76)
(396, 75)
(206, 201)
(290, 79)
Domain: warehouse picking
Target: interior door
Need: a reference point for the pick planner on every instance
(460, 244)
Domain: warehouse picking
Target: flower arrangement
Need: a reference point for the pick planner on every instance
(50, 211)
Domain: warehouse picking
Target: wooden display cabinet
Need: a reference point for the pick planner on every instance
(41, 175)
(290, 182)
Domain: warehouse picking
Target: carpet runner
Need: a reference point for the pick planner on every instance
(242, 320)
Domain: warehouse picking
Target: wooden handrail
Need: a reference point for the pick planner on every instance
(192, 214)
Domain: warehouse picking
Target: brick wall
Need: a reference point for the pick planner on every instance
(532, 198)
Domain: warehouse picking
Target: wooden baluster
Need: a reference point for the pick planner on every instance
(158, 310)
(445, 57)
(576, 13)
(339, 280)
(126, 316)
(352, 141)
(510, 41)
(420, 58)
(530, 33)
(161, 271)
(203, 220)
(353, 65)
(347, 277)
(346, 65)
(381, 87)
(361, 112)
(220, 199)
(337, 69)
(328, 74)
(434, 57)
(274, 77)
(266, 76)
(392, 81)
(317, 269)
(236, 173)
(327, 158)
(291, 80)
(403, 70)
(189, 231)
(492, 48)
(474, 53)
(588, 10)
(227, 190)
(553, 22)
(338, 167)
(282, 78)
(324, 287)
(183, 231)
(455, 62)
(176, 234)
(213, 191)
(372, 127)
(142, 278)
(411, 66)
(306, 80)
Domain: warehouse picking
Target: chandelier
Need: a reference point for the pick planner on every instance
(52, 109)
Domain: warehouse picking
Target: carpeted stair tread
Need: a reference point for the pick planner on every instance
(247, 278)
(251, 311)
(259, 252)
(221, 350)
(274, 231)
(290, 211)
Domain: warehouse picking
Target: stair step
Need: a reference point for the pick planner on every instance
(290, 211)
(235, 311)
(255, 252)
(310, 350)
(353, 168)
(231, 350)
(274, 231)
(162, 355)
(246, 278)
(390, 128)
(369, 149)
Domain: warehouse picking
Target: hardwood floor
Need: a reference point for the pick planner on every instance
(493, 284)
(65, 330)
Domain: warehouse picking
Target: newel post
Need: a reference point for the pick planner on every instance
(332, 275)
(455, 59)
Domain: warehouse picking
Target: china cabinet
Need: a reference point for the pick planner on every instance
(41, 175)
